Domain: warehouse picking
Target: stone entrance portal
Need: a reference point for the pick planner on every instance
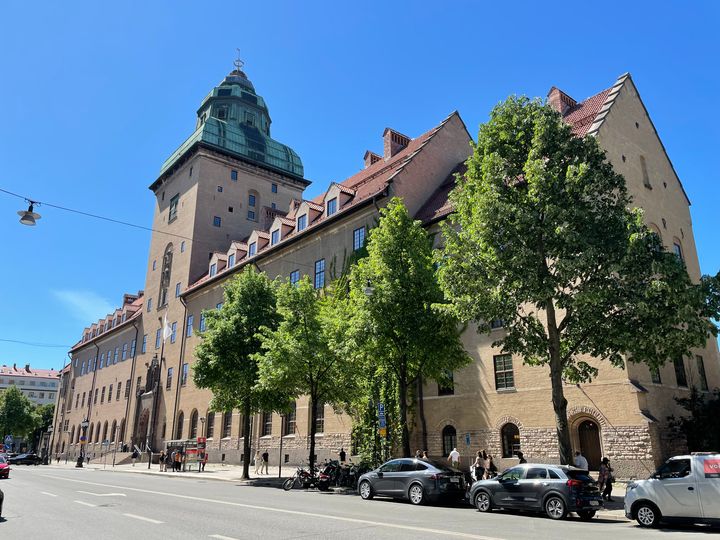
(589, 442)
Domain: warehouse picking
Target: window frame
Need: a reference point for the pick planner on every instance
(501, 375)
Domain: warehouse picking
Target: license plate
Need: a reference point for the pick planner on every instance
(455, 480)
(594, 503)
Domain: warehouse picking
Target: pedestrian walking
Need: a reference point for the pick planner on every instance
(606, 479)
(418, 454)
(491, 470)
(424, 456)
(581, 462)
(161, 461)
(454, 458)
(178, 461)
(342, 455)
(168, 460)
(135, 455)
(521, 457)
(265, 461)
(478, 466)
(258, 464)
(204, 461)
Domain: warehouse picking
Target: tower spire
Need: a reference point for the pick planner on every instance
(238, 63)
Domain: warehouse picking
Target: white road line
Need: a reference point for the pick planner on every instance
(143, 518)
(48, 494)
(221, 537)
(442, 532)
(103, 494)
(86, 504)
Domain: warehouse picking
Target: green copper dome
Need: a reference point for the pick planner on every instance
(235, 120)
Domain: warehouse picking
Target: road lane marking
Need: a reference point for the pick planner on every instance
(48, 494)
(221, 537)
(441, 532)
(86, 504)
(103, 494)
(142, 518)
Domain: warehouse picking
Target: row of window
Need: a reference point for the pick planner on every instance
(94, 434)
(24, 382)
(112, 357)
(509, 437)
(681, 378)
(94, 398)
(183, 376)
(110, 324)
(35, 395)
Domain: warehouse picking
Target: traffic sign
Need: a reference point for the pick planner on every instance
(383, 432)
(381, 415)
(9, 440)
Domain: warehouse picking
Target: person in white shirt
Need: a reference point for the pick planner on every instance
(580, 461)
(454, 458)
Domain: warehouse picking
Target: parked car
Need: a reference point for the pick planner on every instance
(4, 468)
(417, 480)
(25, 459)
(553, 489)
(684, 488)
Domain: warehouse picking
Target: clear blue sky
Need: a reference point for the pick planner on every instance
(95, 95)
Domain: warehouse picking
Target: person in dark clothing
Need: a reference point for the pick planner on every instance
(265, 462)
(521, 457)
(342, 455)
(606, 479)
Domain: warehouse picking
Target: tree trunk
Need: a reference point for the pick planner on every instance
(247, 438)
(558, 397)
(405, 433)
(313, 427)
(421, 412)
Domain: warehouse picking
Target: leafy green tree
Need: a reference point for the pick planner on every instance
(543, 238)
(226, 361)
(395, 298)
(43, 420)
(700, 427)
(17, 413)
(297, 357)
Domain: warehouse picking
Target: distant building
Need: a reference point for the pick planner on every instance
(39, 385)
(232, 196)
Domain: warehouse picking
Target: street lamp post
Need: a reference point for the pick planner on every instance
(48, 448)
(83, 440)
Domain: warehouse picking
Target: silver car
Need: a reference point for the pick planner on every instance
(418, 480)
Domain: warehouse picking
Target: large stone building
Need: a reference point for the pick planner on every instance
(232, 196)
(39, 385)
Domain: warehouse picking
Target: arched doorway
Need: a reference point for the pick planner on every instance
(589, 442)
(449, 440)
(142, 429)
(510, 435)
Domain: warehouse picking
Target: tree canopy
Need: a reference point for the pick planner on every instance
(17, 413)
(544, 238)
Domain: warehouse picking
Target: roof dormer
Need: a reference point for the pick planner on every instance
(340, 194)
(257, 242)
(307, 213)
(280, 228)
(218, 262)
(236, 253)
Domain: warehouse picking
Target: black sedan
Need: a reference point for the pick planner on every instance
(553, 489)
(24, 459)
(417, 480)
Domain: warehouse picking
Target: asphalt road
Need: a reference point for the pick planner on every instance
(58, 504)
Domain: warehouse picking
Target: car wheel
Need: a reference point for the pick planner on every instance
(366, 491)
(555, 508)
(416, 494)
(647, 515)
(586, 515)
(482, 501)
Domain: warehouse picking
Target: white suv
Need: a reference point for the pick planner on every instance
(684, 488)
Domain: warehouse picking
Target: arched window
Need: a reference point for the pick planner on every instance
(210, 425)
(179, 429)
(105, 432)
(113, 431)
(72, 434)
(510, 435)
(165, 276)
(97, 432)
(449, 439)
(121, 435)
(193, 424)
(91, 433)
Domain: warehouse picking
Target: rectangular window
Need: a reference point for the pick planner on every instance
(251, 200)
(189, 326)
(273, 206)
(138, 385)
(251, 215)
(301, 222)
(127, 389)
(124, 351)
(273, 187)
(102, 396)
(83, 400)
(332, 206)
(233, 176)
(646, 177)
(497, 323)
(231, 261)
(117, 396)
(217, 221)
(680, 375)
(110, 389)
(172, 214)
(77, 400)
(252, 249)
(320, 274)
(158, 337)
(184, 376)
(655, 375)
(173, 335)
(291, 420)
(154, 264)
(447, 387)
(294, 277)
(358, 238)
(210, 429)
(227, 424)
(177, 290)
(182, 246)
(117, 353)
(149, 304)
(266, 424)
(168, 380)
(503, 372)
(143, 347)
(213, 269)
(274, 237)
(320, 419)
(202, 322)
(133, 346)
(701, 372)
(219, 188)
(677, 249)
(102, 360)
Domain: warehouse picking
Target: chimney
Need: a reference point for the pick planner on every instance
(560, 101)
(27, 368)
(371, 158)
(393, 142)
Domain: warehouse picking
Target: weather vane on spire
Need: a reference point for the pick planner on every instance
(238, 62)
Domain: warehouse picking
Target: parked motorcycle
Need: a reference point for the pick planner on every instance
(301, 478)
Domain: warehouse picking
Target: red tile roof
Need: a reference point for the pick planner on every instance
(438, 205)
(582, 115)
(22, 372)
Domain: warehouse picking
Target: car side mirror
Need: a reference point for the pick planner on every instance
(380, 474)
